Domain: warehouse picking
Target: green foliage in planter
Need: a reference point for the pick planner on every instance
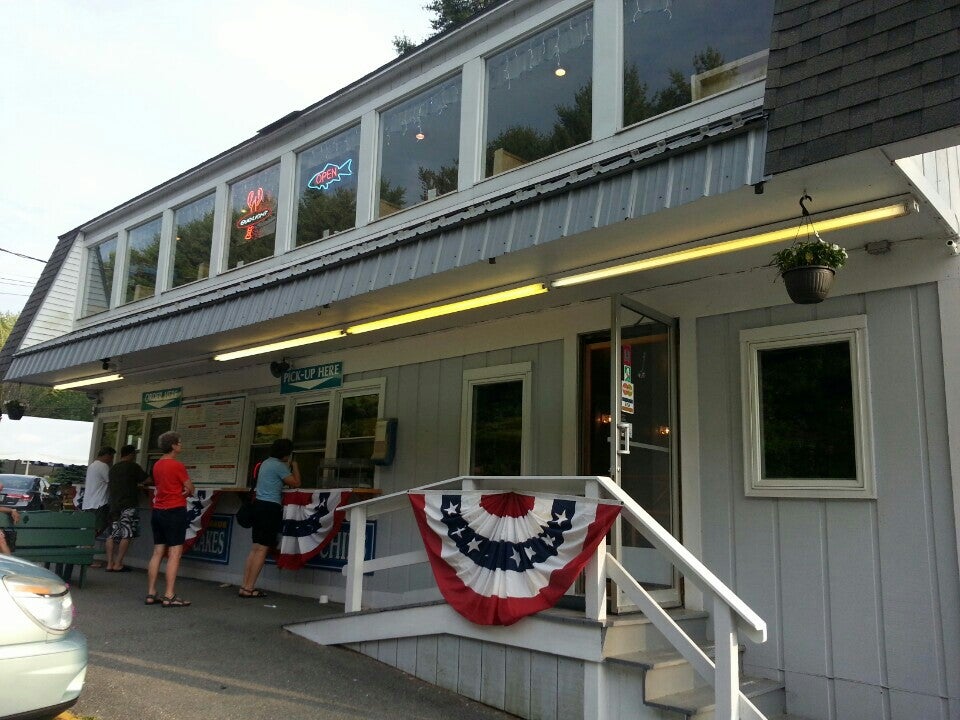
(810, 252)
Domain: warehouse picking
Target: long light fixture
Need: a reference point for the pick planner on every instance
(282, 345)
(844, 221)
(449, 308)
(88, 381)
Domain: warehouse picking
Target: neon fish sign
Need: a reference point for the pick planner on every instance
(330, 174)
(255, 216)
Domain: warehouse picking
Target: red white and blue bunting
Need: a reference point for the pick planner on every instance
(199, 511)
(498, 557)
(310, 521)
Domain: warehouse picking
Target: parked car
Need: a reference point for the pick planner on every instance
(43, 662)
(24, 492)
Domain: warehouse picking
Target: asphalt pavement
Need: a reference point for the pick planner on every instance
(226, 658)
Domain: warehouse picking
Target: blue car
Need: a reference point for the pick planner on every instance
(43, 661)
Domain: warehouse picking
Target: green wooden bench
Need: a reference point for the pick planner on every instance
(62, 539)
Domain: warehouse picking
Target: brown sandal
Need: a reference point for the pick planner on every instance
(247, 594)
(175, 601)
(151, 599)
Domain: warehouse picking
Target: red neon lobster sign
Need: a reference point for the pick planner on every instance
(254, 217)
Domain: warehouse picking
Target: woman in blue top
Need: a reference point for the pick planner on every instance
(274, 474)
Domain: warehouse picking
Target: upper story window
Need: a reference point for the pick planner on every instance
(327, 186)
(419, 148)
(192, 240)
(101, 261)
(253, 217)
(143, 251)
(539, 95)
(679, 51)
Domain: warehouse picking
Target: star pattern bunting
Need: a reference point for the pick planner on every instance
(199, 511)
(310, 521)
(498, 557)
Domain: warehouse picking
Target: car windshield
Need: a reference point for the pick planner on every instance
(17, 482)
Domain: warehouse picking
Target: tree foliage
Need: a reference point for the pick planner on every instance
(447, 13)
(42, 401)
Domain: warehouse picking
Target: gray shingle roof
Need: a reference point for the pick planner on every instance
(849, 75)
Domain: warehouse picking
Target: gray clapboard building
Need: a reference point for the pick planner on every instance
(539, 246)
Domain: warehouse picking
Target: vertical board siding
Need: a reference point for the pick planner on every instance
(493, 678)
(471, 660)
(543, 687)
(517, 682)
(448, 662)
(860, 596)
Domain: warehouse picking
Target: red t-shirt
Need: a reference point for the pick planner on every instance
(169, 477)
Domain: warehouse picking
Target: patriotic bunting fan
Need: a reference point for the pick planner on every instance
(498, 557)
(199, 511)
(310, 522)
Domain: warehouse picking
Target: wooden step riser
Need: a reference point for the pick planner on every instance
(661, 681)
(771, 704)
(622, 639)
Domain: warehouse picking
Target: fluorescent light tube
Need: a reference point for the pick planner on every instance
(844, 221)
(282, 345)
(88, 381)
(449, 308)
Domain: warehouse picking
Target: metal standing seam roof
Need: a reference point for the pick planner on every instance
(712, 161)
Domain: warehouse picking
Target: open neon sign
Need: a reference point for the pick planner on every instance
(258, 211)
(330, 174)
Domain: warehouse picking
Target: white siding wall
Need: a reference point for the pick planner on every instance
(425, 398)
(941, 168)
(55, 316)
(862, 597)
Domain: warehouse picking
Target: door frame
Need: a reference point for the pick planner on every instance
(619, 602)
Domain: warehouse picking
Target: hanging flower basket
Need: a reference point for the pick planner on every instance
(808, 284)
(15, 409)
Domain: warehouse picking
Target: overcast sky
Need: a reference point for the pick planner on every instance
(101, 100)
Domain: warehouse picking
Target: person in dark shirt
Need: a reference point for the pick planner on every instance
(126, 479)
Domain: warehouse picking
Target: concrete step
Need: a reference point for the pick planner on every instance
(698, 704)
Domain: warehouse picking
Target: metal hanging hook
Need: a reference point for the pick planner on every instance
(803, 207)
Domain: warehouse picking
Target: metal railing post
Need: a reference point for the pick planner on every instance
(595, 572)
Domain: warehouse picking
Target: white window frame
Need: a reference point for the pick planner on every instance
(853, 331)
(487, 376)
(333, 396)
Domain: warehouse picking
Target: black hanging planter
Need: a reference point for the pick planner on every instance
(808, 284)
(15, 409)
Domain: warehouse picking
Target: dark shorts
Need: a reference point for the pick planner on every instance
(169, 526)
(101, 520)
(267, 521)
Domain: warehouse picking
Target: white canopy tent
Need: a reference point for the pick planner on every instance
(45, 440)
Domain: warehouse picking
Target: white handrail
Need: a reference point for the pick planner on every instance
(729, 613)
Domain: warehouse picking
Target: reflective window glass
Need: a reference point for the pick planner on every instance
(143, 252)
(310, 441)
(192, 239)
(539, 95)
(497, 428)
(680, 51)
(419, 148)
(101, 261)
(253, 213)
(327, 186)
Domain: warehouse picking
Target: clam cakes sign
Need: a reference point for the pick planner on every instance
(315, 377)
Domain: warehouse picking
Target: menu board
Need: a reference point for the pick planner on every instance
(210, 432)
